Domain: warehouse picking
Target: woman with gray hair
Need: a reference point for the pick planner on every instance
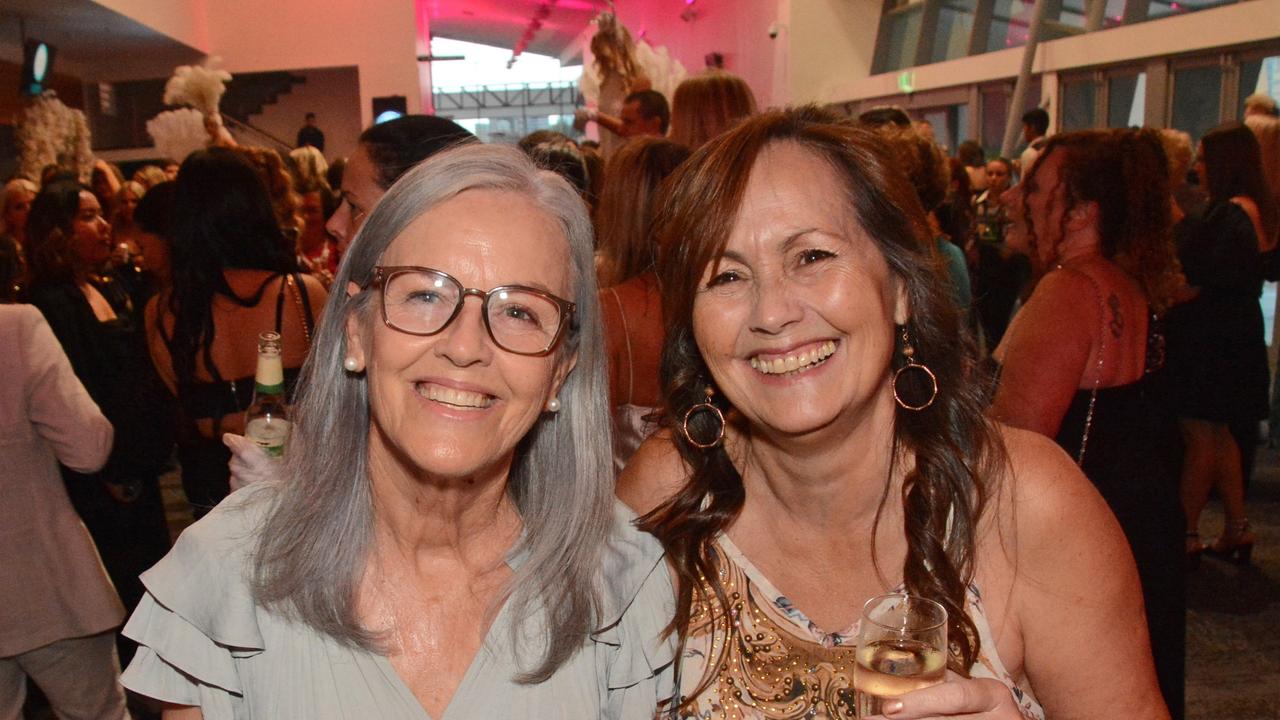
(444, 540)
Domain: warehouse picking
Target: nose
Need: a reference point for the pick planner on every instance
(465, 342)
(775, 307)
(339, 225)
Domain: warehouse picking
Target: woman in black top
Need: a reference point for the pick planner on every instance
(99, 326)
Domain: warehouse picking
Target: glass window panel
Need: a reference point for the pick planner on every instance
(904, 38)
(1079, 104)
(1165, 8)
(955, 25)
(995, 112)
(1126, 100)
(1196, 99)
(1010, 24)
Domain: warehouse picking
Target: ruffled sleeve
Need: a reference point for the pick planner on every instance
(639, 602)
(198, 615)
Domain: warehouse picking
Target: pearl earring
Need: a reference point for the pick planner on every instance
(553, 405)
(351, 364)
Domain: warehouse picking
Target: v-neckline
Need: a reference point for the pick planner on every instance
(782, 604)
(468, 677)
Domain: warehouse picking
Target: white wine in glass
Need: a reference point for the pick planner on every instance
(902, 641)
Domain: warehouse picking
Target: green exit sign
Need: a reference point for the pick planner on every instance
(907, 81)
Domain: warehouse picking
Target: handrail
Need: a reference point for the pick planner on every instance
(243, 125)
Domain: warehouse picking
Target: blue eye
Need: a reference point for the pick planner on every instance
(429, 297)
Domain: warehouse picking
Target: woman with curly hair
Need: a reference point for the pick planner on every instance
(827, 444)
(1080, 361)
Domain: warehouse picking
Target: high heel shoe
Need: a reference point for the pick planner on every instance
(1235, 544)
(1195, 549)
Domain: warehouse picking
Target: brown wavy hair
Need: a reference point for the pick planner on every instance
(958, 453)
(1126, 173)
(632, 177)
(705, 105)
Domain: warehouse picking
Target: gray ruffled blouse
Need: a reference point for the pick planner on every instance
(205, 642)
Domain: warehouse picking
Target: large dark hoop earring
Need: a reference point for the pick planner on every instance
(909, 352)
(705, 406)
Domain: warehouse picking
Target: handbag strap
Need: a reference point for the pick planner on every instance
(626, 335)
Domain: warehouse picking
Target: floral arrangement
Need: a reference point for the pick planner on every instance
(50, 133)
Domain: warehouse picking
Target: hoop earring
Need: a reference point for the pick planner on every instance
(909, 352)
(704, 406)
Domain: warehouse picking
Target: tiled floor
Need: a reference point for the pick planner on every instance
(1233, 620)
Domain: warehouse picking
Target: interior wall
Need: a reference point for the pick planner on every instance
(377, 38)
(830, 41)
(333, 94)
(183, 20)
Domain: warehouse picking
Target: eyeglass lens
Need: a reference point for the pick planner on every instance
(423, 303)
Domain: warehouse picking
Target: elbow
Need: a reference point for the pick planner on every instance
(96, 449)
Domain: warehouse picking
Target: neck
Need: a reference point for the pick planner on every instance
(424, 517)
(828, 482)
(1079, 248)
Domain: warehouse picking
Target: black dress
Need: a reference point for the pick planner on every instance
(120, 504)
(1216, 345)
(1131, 456)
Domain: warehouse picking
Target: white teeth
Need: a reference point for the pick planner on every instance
(795, 363)
(451, 396)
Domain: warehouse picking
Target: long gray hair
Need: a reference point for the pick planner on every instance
(316, 540)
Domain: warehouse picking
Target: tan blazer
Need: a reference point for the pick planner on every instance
(52, 583)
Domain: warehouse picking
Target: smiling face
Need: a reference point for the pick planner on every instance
(91, 238)
(454, 405)
(796, 321)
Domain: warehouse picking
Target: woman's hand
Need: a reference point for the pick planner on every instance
(976, 698)
(249, 464)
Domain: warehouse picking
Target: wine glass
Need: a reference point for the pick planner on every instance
(902, 646)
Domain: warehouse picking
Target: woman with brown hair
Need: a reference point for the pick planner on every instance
(631, 300)
(827, 445)
(1217, 348)
(1080, 361)
(707, 105)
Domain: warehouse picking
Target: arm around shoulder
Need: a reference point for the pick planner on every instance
(1076, 593)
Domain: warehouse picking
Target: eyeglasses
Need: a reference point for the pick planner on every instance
(422, 301)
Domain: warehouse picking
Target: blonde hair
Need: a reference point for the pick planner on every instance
(1177, 148)
(707, 105)
(614, 50)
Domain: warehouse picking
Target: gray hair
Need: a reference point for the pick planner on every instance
(316, 540)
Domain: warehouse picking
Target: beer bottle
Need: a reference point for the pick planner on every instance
(266, 422)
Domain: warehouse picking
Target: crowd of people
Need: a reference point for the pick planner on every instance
(822, 360)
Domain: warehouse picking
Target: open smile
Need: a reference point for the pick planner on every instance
(453, 397)
(793, 362)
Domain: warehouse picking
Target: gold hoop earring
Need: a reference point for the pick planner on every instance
(909, 352)
(704, 406)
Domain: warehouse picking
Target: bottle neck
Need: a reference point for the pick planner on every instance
(269, 378)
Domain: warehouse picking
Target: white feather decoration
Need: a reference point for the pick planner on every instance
(200, 86)
(178, 133)
(50, 133)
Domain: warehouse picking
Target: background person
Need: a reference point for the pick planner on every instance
(60, 609)
(1081, 360)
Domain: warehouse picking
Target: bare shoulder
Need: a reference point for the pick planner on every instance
(1049, 492)
(1072, 577)
(654, 473)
